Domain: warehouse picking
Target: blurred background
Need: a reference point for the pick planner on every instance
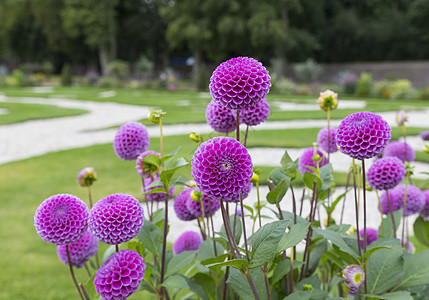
(367, 48)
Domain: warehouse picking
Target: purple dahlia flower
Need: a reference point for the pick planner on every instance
(116, 219)
(220, 118)
(180, 207)
(211, 206)
(371, 236)
(306, 160)
(143, 168)
(424, 135)
(322, 140)
(120, 275)
(363, 135)
(131, 139)
(395, 201)
(425, 211)
(244, 194)
(86, 176)
(61, 219)
(385, 173)
(401, 150)
(222, 167)
(256, 114)
(354, 277)
(157, 197)
(401, 117)
(415, 198)
(80, 251)
(187, 241)
(239, 83)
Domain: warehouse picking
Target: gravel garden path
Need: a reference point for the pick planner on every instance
(32, 138)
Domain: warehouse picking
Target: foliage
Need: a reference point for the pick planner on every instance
(364, 85)
(66, 76)
(119, 69)
(308, 71)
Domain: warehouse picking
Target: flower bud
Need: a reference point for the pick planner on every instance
(401, 117)
(255, 178)
(196, 137)
(154, 117)
(307, 287)
(316, 157)
(196, 196)
(426, 149)
(328, 100)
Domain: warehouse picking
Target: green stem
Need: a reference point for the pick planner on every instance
(404, 208)
(364, 222)
(259, 204)
(244, 227)
(164, 291)
(356, 206)
(160, 136)
(391, 213)
(72, 272)
(381, 213)
(89, 197)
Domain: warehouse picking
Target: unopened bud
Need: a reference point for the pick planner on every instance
(426, 149)
(154, 117)
(195, 137)
(255, 178)
(196, 196)
(307, 287)
(328, 100)
(316, 157)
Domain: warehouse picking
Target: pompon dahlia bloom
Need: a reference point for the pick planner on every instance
(354, 277)
(211, 206)
(180, 207)
(371, 236)
(256, 114)
(131, 139)
(385, 173)
(120, 275)
(363, 135)
(116, 219)
(144, 169)
(425, 211)
(187, 241)
(415, 198)
(86, 176)
(401, 117)
(306, 160)
(222, 167)
(424, 135)
(401, 150)
(322, 140)
(244, 194)
(239, 83)
(80, 251)
(158, 197)
(328, 100)
(61, 219)
(395, 201)
(220, 118)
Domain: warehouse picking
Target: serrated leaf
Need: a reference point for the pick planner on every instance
(296, 234)
(264, 242)
(384, 269)
(239, 264)
(151, 236)
(416, 270)
(337, 240)
(283, 268)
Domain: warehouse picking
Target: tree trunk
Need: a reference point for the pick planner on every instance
(196, 66)
(102, 55)
(281, 59)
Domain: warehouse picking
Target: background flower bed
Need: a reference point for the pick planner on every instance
(29, 261)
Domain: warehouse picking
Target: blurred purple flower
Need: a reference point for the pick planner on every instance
(187, 241)
(131, 139)
(401, 150)
(220, 118)
(80, 251)
(385, 173)
(322, 140)
(306, 160)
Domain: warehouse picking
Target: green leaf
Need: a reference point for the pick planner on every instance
(299, 295)
(326, 176)
(176, 282)
(151, 236)
(206, 250)
(215, 260)
(416, 268)
(277, 175)
(168, 173)
(169, 155)
(233, 219)
(283, 268)
(180, 261)
(384, 269)
(264, 242)
(152, 160)
(309, 179)
(371, 251)
(241, 286)
(335, 203)
(402, 295)
(292, 238)
(277, 193)
(157, 190)
(288, 165)
(90, 287)
(421, 231)
(316, 254)
(207, 283)
(388, 225)
(337, 240)
(239, 264)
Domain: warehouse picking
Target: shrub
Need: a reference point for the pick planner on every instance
(283, 86)
(119, 69)
(364, 84)
(307, 71)
(348, 81)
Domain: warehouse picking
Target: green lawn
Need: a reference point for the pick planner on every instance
(30, 267)
(20, 112)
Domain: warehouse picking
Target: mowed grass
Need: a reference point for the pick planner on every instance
(30, 267)
(20, 112)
